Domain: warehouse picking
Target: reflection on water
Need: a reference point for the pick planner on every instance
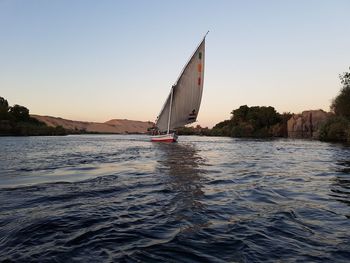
(179, 165)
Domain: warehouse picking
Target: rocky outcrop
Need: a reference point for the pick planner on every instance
(113, 126)
(306, 124)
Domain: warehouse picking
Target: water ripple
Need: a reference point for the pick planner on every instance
(124, 199)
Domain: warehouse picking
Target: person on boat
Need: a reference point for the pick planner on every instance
(155, 131)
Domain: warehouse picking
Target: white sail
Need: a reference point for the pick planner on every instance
(186, 94)
(162, 120)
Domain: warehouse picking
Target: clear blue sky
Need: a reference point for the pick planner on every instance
(98, 60)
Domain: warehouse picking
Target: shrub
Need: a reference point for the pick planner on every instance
(16, 120)
(19, 113)
(341, 103)
(335, 129)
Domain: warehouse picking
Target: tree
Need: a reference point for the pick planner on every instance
(258, 117)
(4, 107)
(253, 121)
(341, 104)
(240, 114)
(19, 113)
(335, 129)
(222, 128)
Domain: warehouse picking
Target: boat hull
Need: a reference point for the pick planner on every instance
(171, 137)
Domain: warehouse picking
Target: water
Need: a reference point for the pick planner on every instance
(124, 199)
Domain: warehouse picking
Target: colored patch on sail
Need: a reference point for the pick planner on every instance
(200, 55)
(199, 81)
(199, 67)
(192, 116)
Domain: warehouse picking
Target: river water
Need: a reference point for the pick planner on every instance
(121, 198)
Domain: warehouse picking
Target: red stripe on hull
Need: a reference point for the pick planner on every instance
(163, 140)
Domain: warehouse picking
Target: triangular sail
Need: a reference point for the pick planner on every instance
(187, 94)
(162, 120)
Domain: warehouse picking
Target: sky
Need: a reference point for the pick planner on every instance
(100, 60)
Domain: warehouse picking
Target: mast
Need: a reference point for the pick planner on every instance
(171, 104)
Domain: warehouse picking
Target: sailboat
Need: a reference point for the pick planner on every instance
(182, 104)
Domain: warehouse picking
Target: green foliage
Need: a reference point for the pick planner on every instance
(259, 117)
(4, 107)
(341, 104)
(222, 129)
(253, 122)
(240, 114)
(30, 129)
(186, 131)
(19, 113)
(336, 129)
(198, 130)
(16, 120)
(243, 129)
(222, 124)
(3, 104)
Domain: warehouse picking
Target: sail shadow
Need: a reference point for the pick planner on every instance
(180, 168)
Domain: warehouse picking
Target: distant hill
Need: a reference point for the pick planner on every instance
(118, 126)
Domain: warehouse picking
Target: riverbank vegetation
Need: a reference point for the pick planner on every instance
(254, 122)
(263, 122)
(245, 121)
(198, 130)
(337, 127)
(15, 120)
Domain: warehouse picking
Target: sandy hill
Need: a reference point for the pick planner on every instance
(112, 126)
